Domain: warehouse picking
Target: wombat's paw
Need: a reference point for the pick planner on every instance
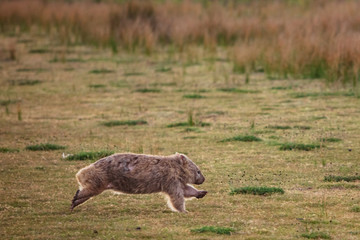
(201, 194)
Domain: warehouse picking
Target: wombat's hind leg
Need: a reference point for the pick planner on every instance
(83, 195)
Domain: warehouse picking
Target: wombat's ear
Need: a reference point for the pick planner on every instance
(181, 158)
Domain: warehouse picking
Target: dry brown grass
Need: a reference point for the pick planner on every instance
(310, 39)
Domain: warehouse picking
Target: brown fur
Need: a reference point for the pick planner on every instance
(139, 174)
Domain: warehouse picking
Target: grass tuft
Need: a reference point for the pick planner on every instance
(257, 190)
(236, 90)
(114, 123)
(39, 50)
(243, 138)
(212, 229)
(279, 127)
(302, 127)
(8, 102)
(332, 178)
(128, 74)
(101, 71)
(97, 86)
(163, 69)
(298, 146)
(44, 147)
(148, 90)
(193, 96)
(90, 155)
(316, 235)
(8, 150)
(331, 139)
(355, 209)
(25, 82)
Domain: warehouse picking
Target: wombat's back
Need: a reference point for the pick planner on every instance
(136, 173)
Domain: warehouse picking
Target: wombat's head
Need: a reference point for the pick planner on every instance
(195, 175)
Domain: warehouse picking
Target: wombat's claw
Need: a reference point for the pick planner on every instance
(201, 194)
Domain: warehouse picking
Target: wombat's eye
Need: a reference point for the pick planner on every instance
(198, 172)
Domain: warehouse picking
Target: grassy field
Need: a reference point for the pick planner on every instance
(248, 134)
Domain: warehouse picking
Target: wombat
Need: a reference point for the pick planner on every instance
(138, 174)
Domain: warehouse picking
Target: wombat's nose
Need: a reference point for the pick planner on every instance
(201, 180)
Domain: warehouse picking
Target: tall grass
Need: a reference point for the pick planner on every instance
(293, 38)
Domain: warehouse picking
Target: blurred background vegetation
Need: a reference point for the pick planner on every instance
(284, 39)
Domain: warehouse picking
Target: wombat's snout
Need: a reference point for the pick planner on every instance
(200, 180)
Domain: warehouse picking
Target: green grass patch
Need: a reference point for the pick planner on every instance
(8, 102)
(148, 90)
(298, 146)
(39, 50)
(90, 155)
(316, 235)
(97, 86)
(237, 90)
(212, 229)
(188, 124)
(279, 127)
(257, 190)
(193, 96)
(331, 139)
(318, 118)
(129, 74)
(192, 129)
(242, 138)
(101, 71)
(32, 70)
(355, 209)
(302, 127)
(44, 147)
(281, 88)
(163, 69)
(8, 150)
(322, 94)
(69, 60)
(25, 82)
(114, 123)
(332, 178)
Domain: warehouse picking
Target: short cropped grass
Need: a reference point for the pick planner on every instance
(332, 178)
(298, 146)
(90, 155)
(8, 150)
(212, 229)
(44, 147)
(97, 86)
(256, 190)
(316, 235)
(114, 123)
(242, 138)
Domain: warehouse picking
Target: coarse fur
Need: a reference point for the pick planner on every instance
(141, 174)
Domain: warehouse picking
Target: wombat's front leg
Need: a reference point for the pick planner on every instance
(190, 192)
